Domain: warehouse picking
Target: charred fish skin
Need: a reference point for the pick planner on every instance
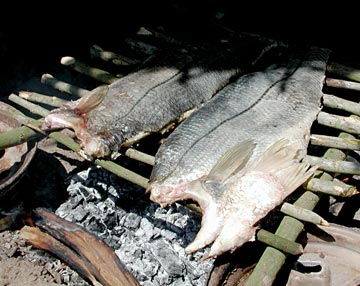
(143, 102)
(198, 161)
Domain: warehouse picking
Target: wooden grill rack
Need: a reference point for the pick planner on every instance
(326, 181)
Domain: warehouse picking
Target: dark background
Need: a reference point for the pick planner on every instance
(33, 39)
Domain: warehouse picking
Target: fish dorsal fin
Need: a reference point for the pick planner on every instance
(95, 97)
(232, 161)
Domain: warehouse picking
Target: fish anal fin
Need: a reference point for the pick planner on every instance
(280, 160)
(232, 161)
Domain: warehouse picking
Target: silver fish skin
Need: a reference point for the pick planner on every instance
(239, 155)
(174, 81)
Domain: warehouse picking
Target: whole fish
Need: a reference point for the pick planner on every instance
(175, 80)
(240, 155)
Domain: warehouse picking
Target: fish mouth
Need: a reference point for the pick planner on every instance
(166, 195)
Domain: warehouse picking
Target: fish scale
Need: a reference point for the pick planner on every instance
(239, 156)
(257, 105)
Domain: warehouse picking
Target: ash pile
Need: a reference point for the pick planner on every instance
(148, 239)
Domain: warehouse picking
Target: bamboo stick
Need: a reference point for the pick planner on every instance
(24, 133)
(62, 86)
(341, 104)
(123, 173)
(334, 188)
(339, 83)
(139, 156)
(83, 68)
(141, 46)
(42, 98)
(114, 58)
(33, 108)
(279, 242)
(17, 136)
(335, 142)
(344, 71)
(302, 213)
(349, 124)
(334, 166)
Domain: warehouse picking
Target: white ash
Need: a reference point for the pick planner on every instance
(148, 239)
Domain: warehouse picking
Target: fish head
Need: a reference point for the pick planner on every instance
(166, 194)
(62, 118)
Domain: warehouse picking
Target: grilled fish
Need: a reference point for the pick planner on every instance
(175, 80)
(240, 155)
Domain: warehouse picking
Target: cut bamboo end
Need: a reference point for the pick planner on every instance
(302, 214)
(67, 61)
(334, 188)
(140, 156)
(96, 73)
(62, 86)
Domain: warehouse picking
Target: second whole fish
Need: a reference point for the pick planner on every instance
(178, 78)
(240, 155)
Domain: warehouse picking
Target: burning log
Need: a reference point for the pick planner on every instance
(83, 251)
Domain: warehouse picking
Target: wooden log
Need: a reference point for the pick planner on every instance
(87, 252)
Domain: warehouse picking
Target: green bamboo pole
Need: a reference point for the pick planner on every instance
(344, 71)
(62, 86)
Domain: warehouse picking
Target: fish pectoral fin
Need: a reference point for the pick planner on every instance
(89, 102)
(232, 161)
